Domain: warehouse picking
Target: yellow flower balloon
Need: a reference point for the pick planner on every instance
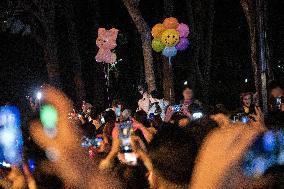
(170, 37)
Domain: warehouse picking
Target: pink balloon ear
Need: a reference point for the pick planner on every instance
(101, 31)
(114, 32)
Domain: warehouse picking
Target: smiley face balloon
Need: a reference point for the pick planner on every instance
(170, 37)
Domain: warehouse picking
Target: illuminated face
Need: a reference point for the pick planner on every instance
(277, 92)
(187, 94)
(247, 100)
(170, 37)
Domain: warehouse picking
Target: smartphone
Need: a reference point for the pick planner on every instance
(267, 151)
(102, 120)
(197, 115)
(151, 116)
(130, 159)
(118, 111)
(241, 117)
(125, 131)
(98, 141)
(278, 103)
(176, 108)
(11, 140)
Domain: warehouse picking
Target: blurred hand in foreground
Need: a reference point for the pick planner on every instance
(219, 160)
(67, 159)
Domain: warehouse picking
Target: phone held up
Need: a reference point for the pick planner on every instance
(11, 140)
(125, 132)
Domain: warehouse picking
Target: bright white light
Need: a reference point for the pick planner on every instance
(246, 80)
(185, 83)
(126, 148)
(279, 66)
(197, 115)
(130, 157)
(38, 95)
(4, 164)
(7, 137)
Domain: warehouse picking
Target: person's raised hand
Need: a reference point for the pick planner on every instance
(169, 113)
(185, 111)
(222, 152)
(136, 124)
(67, 159)
(258, 122)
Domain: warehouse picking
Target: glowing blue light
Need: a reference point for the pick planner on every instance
(11, 140)
(280, 135)
(269, 141)
(259, 167)
(281, 158)
(244, 119)
(31, 164)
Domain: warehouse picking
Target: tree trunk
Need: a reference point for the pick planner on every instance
(168, 85)
(75, 55)
(144, 30)
(263, 52)
(44, 13)
(51, 61)
(168, 75)
(249, 11)
(201, 20)
(208, 50)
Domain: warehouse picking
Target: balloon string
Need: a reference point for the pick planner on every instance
(170, 66)
(108, 95)
(106, 71)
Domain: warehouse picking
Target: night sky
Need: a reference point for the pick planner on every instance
(22, 68)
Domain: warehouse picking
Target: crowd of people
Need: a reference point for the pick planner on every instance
(158, 145)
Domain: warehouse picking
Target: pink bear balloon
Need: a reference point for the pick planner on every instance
(106, 42)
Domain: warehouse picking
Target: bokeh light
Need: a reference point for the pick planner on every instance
(48, 116)
(269, 141)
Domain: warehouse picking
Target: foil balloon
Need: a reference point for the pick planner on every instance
(106, 42)
(157, 45)
(183, 30)
(183, 44)
(170, 37)
(169, 51)
(157, 30)
(171, 23)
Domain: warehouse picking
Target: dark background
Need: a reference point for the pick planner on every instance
(22, 69)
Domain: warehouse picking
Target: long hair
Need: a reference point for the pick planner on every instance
(242, 95)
